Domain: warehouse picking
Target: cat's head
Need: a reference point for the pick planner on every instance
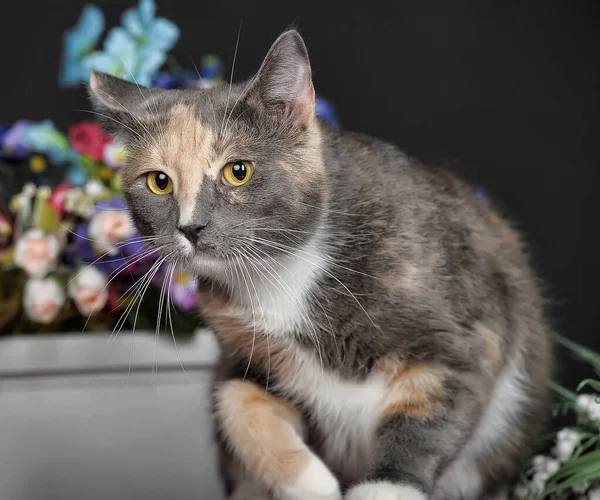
(223, 173)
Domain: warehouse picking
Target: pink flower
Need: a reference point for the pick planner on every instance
(43, 299)
(89, 291)
(57, 198)
(88, 138)
(37, 253)
(108, 228)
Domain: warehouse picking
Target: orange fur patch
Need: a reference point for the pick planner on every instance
(261, 431)
(241, 341)
(415, 390)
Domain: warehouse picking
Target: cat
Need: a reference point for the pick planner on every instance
(382, 331)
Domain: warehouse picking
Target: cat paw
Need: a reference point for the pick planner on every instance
(314, 482)
(384, 491)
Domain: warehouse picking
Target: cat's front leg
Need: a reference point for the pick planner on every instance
(264, 433)
(421, 428)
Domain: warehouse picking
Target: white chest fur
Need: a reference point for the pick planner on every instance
(345, 412)
(275, 292)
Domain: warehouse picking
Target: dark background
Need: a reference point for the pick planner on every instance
(505, 92)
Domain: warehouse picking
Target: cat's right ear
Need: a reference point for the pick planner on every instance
(283, 85)
(121, 106)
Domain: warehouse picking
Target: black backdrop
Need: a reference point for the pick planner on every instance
(506, 92)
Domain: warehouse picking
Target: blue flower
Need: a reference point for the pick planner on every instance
(326, 112)
(212, 68)
(44, 138)
(78, 42)
(122, 57)
(166, 80)
(157, 34)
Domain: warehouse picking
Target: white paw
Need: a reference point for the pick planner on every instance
(314, 482)
(384, 491)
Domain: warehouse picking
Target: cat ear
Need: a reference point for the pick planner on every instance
(283, 84)
(121, 105)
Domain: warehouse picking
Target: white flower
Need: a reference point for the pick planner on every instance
(108, 228)
(94, 188)
(538, 482)
(115, 155)
(563, 450)
(539, 462)
(552, 466)
(592, 407)
(583, 401)
(37, 252)
(594, 494)
(581, 487)
(566, 441)
(43, 299)
(88, 290)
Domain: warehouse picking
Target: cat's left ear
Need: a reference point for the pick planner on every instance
(122, 106)
(283, 85)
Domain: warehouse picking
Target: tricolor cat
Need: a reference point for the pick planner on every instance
(382, 331)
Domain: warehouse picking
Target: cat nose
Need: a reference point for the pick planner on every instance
(192, 231)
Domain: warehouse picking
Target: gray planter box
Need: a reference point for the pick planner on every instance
(77, 423)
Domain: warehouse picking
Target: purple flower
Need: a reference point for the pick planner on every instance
(13, 141)
(182, 287)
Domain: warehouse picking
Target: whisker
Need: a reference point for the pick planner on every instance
(237, 42)
(264, 242)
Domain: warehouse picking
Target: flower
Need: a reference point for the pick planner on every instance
(183, 289)
(594, 494)
(566, 441)
(584, 401)
(43, 299)
(88, 138)
(76, 176)
(88, 290)
(166, 80)
(37, 253)
(326, 112)
(150, 32)
(122, 57)
(588, 403)
(78, 42)
(108, 228)
(13, 140)
(114, 155)
(94, 188)
(57, 198)
(44, 138)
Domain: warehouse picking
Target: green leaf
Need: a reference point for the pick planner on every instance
(585, 474)
(582, 352)
(594, 384)
(575, 464)
(562, 391)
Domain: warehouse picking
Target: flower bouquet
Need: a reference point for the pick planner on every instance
(70, 257)
(570, 467)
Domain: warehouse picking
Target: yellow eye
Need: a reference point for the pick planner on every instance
(237, 173)
(159, 183)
